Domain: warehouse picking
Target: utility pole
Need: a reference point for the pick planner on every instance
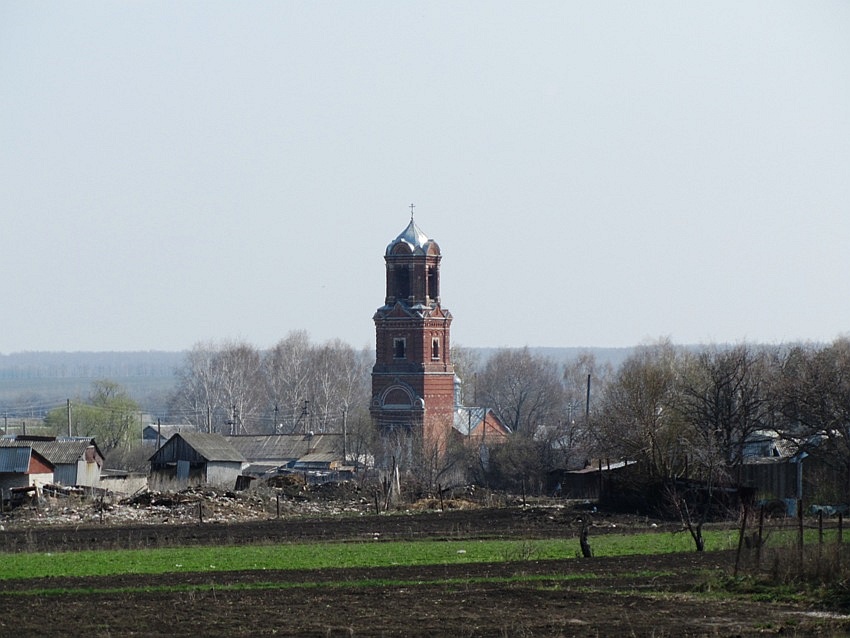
(305, 412)
(69, 417)
(344, 437)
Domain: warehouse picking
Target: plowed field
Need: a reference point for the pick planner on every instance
(656, 596)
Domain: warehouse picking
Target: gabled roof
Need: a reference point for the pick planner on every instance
(57, 450)
(210, 447)
(467, 419)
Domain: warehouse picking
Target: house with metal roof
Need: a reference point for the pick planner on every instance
(76, 461)
(21, 468)
(196, 458)
(270, 451)
(479, 426)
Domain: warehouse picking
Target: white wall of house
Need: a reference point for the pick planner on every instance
(88, 473)
(223, 473)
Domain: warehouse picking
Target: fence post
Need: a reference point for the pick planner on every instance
(740, 541)
(800, 534)
(760, 538)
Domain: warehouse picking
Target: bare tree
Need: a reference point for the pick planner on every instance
(585, 380)
(241, 386)
(287, 374)
(338, 380)
(813, 397)
(638, 418)
(467, 364)
(197, 396)
(524, 389)
(724, 399)
(576, 374)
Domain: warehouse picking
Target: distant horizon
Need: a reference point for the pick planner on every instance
(224, 342)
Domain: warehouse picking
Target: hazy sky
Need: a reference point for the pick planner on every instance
(596, 173)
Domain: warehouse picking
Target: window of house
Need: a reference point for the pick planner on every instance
(399, 346)
(435, 348)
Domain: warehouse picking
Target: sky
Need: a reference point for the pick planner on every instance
(597, 174)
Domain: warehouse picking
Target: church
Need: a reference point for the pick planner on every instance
(414, 387)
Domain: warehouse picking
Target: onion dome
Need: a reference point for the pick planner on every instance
(412, 241)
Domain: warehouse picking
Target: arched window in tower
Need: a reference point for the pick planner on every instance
(433, 283)
(402, 282)
(435, 348)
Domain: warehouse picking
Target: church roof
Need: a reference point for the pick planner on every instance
(413, 237)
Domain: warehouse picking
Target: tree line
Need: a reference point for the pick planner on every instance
(296, 386)
(675, 411)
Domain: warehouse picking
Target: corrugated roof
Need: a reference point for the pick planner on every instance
(15, 459)
(212, 447)
(61, 451)
(282, 448)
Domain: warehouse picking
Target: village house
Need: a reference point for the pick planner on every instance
(318, 457)
(283, 451)
(22, 470)
(479, 426)
(196, 458)
(76, 461)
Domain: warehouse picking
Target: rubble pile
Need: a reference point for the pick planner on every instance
(284, 496)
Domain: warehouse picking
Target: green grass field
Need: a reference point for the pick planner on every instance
(346, 555)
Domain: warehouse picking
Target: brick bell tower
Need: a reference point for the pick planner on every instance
(413, 378)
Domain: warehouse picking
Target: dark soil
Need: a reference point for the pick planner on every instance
(455, 524)
(660, 596)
